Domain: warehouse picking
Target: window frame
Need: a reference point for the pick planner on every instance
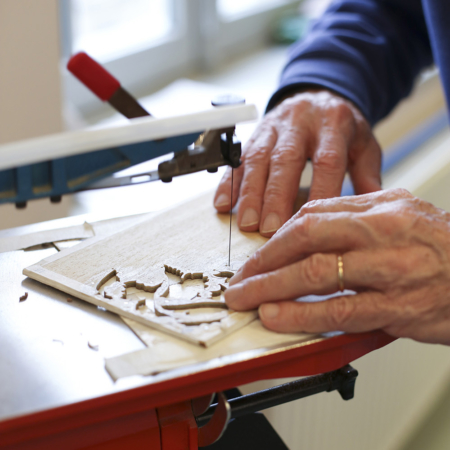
(201, 41)
(246, 32)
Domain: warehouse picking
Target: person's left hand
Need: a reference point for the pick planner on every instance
(396, 253)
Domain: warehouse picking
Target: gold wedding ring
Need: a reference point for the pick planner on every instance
(340, 264)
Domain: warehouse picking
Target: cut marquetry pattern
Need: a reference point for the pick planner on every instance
(160, 260)
(164, 304)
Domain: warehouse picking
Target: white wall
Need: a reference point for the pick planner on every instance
(30, 94)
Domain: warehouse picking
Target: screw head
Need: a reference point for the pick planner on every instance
(227, 100)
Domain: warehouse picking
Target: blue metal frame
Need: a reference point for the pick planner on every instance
(66, 175)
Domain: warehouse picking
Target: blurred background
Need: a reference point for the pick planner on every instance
(175, 55)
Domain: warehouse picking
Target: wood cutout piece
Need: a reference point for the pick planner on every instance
(140, 304)
(179, 310)
(191, 236)
(142, 286)
(185, 318)
(171, 307)
(175, 304)
(106, 278)
(224, 274)
(117, 289)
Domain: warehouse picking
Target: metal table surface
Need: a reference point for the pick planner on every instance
(45, 357)
(52, 350)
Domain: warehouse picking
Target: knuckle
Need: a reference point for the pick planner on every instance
(311, 206)
(249, 190)
(301, 316)
(275, 191)
(296, 103)
(329, 161)
(303, 226)
(401, 193)
(255, 263)
(414, 204)
(266, 128)
(257, 157)
(339, 312)
(313, 270)
(342, 112)
(285, 155)
(306, 224)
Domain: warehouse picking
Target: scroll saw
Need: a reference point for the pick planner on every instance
(171, 410)
(58, 164)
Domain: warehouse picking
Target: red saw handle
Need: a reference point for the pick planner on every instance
(104, 85)
(93, 75)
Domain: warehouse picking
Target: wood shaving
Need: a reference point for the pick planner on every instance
(93, 346)
(24, 297)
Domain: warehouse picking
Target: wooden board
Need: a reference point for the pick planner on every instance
(160, 260)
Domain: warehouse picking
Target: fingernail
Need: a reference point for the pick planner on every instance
(269, 311)
(271, 224)
(222, 200)
(249, 218)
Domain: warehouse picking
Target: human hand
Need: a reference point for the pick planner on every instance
(319, 125)
(396, 253)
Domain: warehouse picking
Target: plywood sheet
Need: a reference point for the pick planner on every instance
(187, 241)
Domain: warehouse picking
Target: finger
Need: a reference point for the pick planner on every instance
(287, 162)
(350, 313)
(256, 163)
(316, 274)
(353, 203)
(313, 233)
(380, 270)
(222, 199)
(329, 164)
(366, 168)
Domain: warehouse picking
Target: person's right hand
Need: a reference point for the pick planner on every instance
(316, 124)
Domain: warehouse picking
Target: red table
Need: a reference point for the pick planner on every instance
(159, 415)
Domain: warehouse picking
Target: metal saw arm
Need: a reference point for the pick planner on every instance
(51, 166)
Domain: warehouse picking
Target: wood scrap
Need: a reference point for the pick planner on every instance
(93, 346)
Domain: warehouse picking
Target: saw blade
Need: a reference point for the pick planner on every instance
(231, 218)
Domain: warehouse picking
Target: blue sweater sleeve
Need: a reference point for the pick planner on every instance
(369, 51)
